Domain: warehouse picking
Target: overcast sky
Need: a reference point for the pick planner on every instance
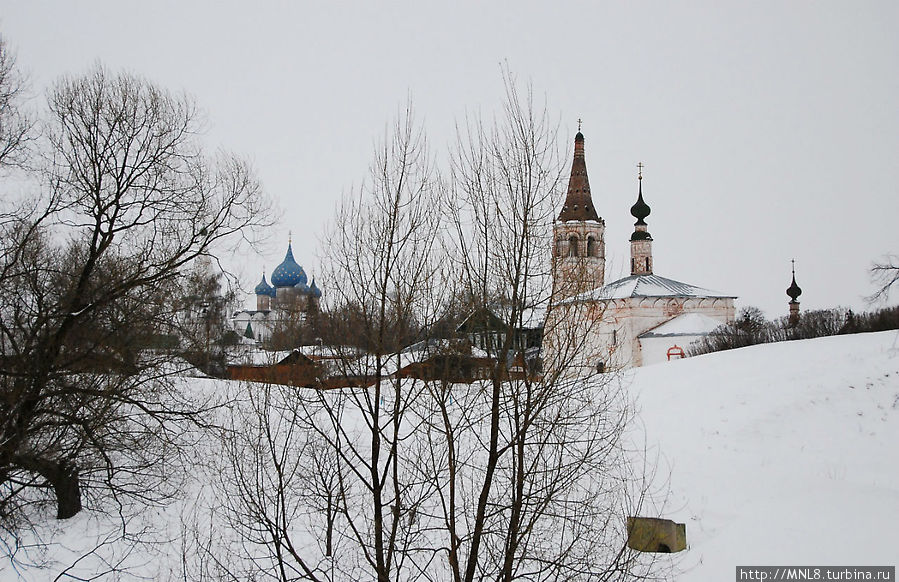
(769, 130)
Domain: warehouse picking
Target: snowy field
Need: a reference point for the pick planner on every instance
(780, 454)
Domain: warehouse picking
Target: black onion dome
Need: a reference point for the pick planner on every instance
(641, 209)
(641, 235)
(793, 291)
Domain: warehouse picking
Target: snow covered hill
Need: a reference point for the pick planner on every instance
(780, 454)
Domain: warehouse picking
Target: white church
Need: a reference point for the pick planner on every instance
(284, 302)
(635, 321)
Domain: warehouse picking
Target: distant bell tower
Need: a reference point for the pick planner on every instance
(793, 292)
(641, 240)
(579, 250)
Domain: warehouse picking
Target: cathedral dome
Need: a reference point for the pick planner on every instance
(263, 288)
(288, 273)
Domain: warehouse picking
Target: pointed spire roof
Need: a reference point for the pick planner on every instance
(794, 291)
(578, 202)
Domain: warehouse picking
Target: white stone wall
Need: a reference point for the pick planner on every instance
(641, 254)
(611, 328)
(654, 350)
(261, 323)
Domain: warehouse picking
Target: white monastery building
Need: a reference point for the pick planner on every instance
(635, 321)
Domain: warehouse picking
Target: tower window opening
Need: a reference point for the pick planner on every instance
(591, 246)
(647, 263)
(572, 246)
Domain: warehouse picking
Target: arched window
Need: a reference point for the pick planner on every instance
(591, 246)
(572, 246)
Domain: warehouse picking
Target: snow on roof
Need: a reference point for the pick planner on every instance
(258, 357)
(684, 324)
(646, 286)
(326, 351)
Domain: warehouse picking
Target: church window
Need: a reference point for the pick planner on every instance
(614, 337)
(572, 246)
(591, 246)
(647, 263)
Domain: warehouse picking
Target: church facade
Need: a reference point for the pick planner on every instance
(637, 320)
(283, 303)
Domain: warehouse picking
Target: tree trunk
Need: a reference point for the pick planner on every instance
(62, 475)
(67, 487)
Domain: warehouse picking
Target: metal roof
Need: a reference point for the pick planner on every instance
(646, 286)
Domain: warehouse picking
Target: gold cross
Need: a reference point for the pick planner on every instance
(640, 171)
(578, 123)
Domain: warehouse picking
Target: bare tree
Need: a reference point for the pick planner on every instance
(520, 474)
(884, 275)
(129, 203)
(15, 124)
(532, 480)
(336, 466)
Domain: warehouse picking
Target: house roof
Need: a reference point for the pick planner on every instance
(494, 319)
(686, 324)
(645, 286)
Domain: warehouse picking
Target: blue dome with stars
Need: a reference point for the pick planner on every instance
(263, 288)
(288, 273)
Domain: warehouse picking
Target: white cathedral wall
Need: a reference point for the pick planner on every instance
(609, 330)
(260, 322)
(654, 350)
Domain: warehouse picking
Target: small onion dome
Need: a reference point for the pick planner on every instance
(302, 287)
(640, 210)
(288, 273)
(578, 136)
(641, 235)
(314, 290)
(793, 291)
(263, 288)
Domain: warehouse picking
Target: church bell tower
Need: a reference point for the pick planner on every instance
(641, 240)
(579, 250)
